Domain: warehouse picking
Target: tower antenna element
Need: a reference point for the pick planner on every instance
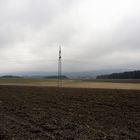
(60, 68)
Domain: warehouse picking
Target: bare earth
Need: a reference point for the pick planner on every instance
(49, 113)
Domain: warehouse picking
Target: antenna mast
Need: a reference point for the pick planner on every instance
(60, 68)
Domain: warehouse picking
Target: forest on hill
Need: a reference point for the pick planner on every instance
(124, 75)
(56, 76)
(10, 76)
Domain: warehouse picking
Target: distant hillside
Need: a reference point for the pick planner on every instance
(74, 75)
(55, 77)
(124, 75)
(10, 76)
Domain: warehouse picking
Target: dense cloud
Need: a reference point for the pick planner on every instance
(94, 34)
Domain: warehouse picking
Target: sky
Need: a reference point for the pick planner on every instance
(93, 34)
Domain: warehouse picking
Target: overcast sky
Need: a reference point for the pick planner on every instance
(94, 34)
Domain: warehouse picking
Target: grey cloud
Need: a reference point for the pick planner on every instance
(125, 38)
(31, 31)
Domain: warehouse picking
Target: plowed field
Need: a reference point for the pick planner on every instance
(49, 113)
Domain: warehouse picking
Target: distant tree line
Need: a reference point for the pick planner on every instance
(124, 75)
(55, 77)
(10, 76)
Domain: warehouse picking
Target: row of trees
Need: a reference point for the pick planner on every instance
(124, 75)
(55, 77)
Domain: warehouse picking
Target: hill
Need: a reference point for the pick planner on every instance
(124, 75)
(10, 76)
(55, 77)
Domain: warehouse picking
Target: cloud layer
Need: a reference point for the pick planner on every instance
(94, 34)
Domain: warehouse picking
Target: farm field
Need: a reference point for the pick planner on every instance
(50, 113)
(105, 84)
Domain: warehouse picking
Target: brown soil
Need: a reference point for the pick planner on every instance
(43, 113)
